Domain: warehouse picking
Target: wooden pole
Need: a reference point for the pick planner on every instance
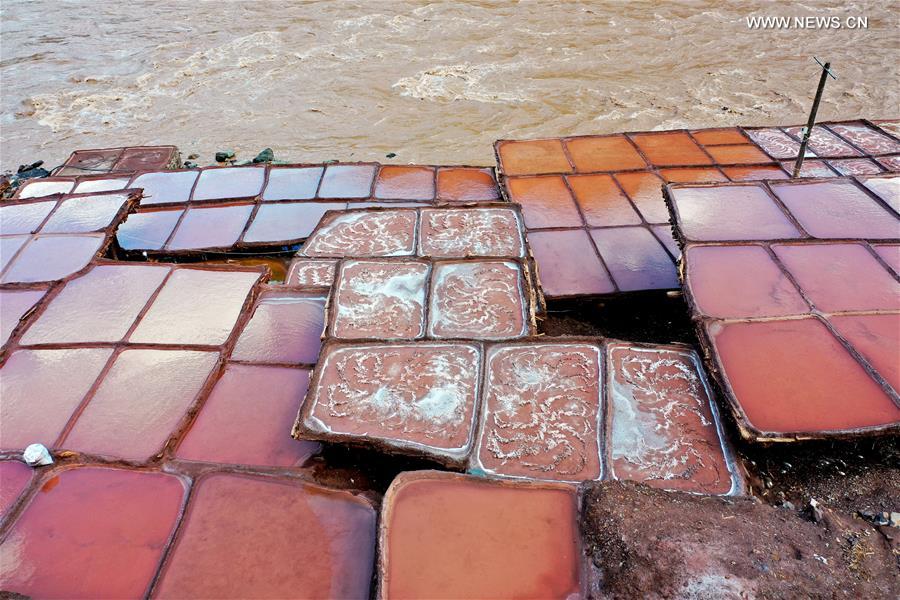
(826, 71)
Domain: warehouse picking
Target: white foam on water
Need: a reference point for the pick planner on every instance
(125, 101)
(460, 82)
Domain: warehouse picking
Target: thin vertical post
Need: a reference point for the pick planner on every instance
(826, 71)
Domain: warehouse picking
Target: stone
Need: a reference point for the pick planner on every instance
(224, 155)
(37, 455)
(266, 155)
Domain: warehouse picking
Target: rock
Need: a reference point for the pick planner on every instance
(223, 155)
(30, 171)
(877, 518)
(33, 174)
(31, 167)
(37, 455)
(193, 157)
(788, 505)
(267, 155)
(814, 510)
(645, 543)
(895, 519)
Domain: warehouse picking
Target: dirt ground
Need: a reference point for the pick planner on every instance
(645, 543)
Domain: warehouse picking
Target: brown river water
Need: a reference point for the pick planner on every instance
(433, 82)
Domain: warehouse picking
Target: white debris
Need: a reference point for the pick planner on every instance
(37, 455)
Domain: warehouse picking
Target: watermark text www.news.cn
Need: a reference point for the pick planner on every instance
(850, 22)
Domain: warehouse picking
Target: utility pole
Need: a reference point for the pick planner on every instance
(826, 72)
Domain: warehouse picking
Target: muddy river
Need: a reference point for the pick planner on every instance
(432, 82)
